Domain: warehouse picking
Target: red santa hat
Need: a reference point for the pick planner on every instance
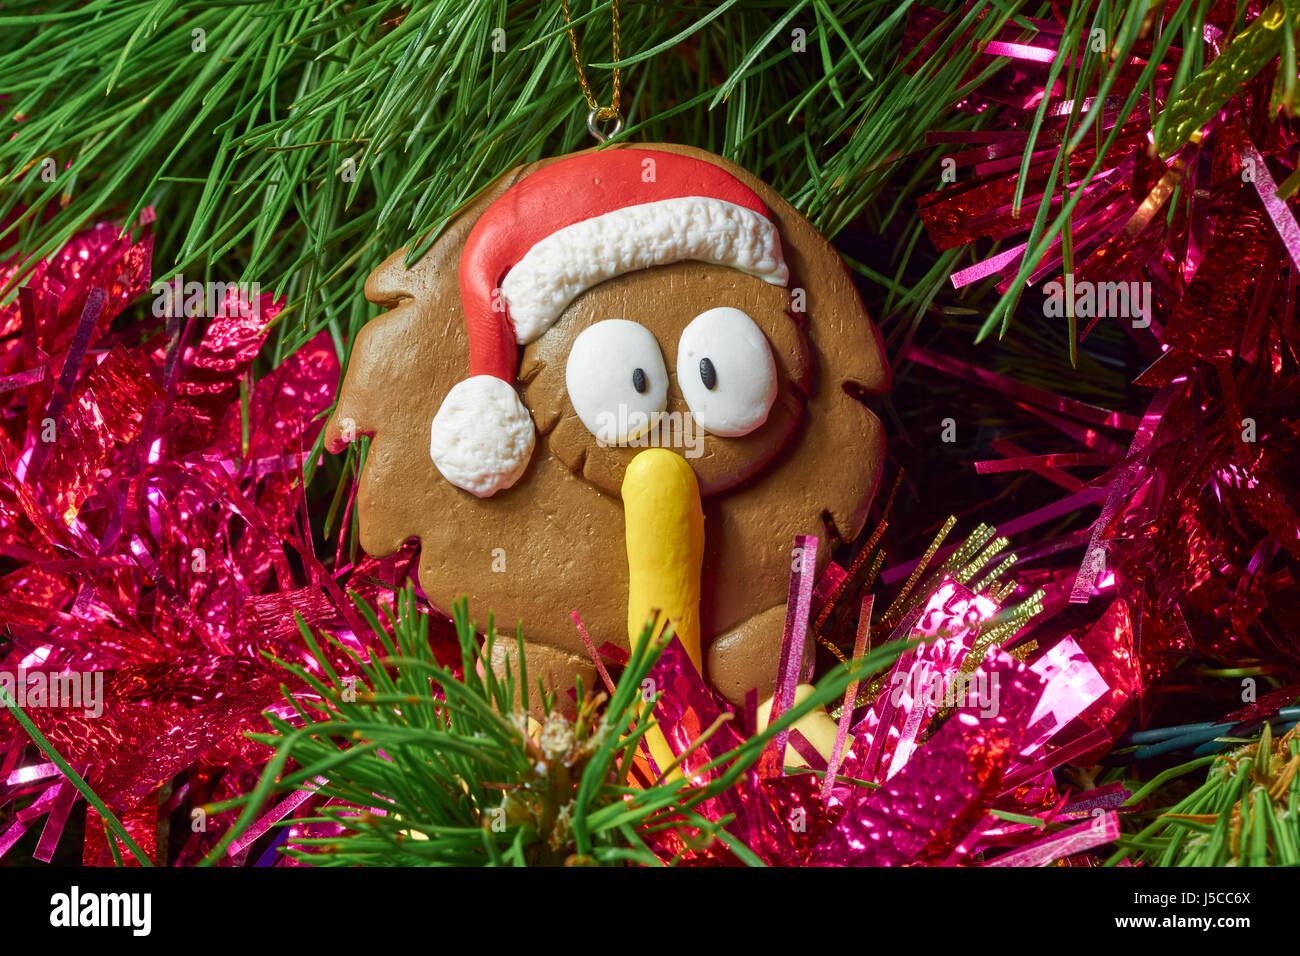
(561, 230)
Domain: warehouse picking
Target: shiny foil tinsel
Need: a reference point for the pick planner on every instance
(154, 532)
(1196, 527)
(916, 783)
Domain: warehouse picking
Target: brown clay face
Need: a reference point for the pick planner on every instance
(665, 300)
(554, 542)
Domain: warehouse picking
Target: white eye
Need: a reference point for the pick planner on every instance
(616, 380)
(726, 372)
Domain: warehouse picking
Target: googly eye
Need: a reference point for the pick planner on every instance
(726, 372)
(616, 379)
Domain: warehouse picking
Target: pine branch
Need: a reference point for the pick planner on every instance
(1244, 814)
(297, 145)
(432, 767)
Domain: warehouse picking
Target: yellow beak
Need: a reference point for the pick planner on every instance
(664, 525)
(664, 530)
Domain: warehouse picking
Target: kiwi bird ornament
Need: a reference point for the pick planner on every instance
(621, 380)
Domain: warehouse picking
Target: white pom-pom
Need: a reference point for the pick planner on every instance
(482, 436)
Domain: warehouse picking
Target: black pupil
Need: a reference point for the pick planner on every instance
(708, 374)
(639, 381)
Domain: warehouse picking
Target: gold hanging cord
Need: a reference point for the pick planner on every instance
(598, 114)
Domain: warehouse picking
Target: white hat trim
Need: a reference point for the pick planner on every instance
(570, 260)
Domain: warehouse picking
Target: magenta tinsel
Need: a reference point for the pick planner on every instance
(154, 532)
(1189, 550)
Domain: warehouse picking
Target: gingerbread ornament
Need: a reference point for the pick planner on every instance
(621, 380)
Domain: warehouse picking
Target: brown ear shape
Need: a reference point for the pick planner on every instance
(849, 359)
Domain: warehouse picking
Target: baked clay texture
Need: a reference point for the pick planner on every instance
(815, 461)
